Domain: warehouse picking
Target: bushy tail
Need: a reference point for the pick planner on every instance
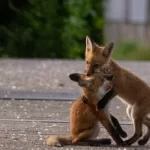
(66, 140)
(59, 141)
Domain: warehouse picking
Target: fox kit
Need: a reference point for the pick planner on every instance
(133, 91)
(83, 123)
(83, 127)
(95, 88)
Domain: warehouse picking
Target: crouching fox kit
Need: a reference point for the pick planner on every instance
(133, 91)
(84, 127)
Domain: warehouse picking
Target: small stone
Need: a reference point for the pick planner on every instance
(61, 85)
(14, 87)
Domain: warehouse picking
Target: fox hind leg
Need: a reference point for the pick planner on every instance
(83, 135)
(86, 138)
(146, 137)
(137, 120)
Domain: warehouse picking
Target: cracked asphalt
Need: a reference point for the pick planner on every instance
(25, 124)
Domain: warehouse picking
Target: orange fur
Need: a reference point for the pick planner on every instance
(83, 126)
(84, 119)
(94, 88)
(133, 91)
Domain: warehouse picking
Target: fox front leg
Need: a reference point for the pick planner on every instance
(105, 100)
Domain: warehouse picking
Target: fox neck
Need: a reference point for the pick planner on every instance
(115, 68)
(91, 95)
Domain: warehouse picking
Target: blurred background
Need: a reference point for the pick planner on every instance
(57, 28)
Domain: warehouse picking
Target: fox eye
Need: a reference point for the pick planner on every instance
(96, 65)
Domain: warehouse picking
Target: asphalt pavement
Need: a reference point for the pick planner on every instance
(26, 121)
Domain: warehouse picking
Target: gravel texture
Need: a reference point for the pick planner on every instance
(25, 125)
(52, 75)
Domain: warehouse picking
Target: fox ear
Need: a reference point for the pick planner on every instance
(89, 44)
(75, 77)
(108, 49)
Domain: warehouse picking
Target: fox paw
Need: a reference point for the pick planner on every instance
(75, 141)
(127, 143)
(142, 142)
(58, 144)
(123, 134)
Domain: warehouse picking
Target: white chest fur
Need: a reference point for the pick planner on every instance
(103, 90)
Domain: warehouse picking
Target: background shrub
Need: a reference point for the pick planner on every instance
(51, 28)
(131, 51)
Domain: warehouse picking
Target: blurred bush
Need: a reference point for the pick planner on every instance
(52, 29)
(131, 51)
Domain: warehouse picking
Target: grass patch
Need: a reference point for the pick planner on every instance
(131, 51)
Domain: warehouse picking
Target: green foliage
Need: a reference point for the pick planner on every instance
(131, 51)
(54, 29)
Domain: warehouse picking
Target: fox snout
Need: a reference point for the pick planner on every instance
(74, 77)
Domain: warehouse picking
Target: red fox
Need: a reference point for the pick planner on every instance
(133, 91)
(84, 126)
(95, 88)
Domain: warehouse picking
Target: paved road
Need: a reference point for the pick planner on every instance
(52, 75)
(25, 124)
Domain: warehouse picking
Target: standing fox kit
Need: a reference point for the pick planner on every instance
(84, 127)
(134, 91)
